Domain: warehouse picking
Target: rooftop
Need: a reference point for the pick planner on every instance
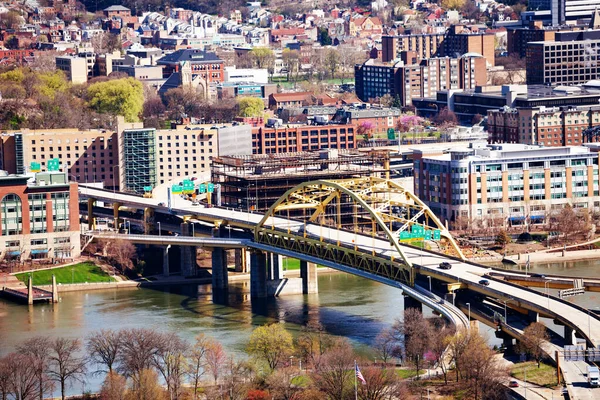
(193, 55)
(509, 151)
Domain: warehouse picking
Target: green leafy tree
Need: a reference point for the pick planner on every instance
(251, 106)
(263, 57)
(51, 83)
(118, 97)
(324, 37)
(272, 344)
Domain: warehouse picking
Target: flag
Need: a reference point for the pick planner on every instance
(359, 374)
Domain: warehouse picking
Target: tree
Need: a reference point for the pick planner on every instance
(263, 57)
(183, 102)
(10, 20)
(196, 366)
(291, 60)
(332, 61)
(445, 118)
(312, 343)
(280, 384)
(386, 345)
(51, 83)
(237, 379)
(503, 238)
(535, 336)
(65, 364)
(37, 350)
(215, 359)
(414, 333)
(331, 375)
(117, 97)
(271, 344)
(114, 387)
(171, 363)
(139, 346)
(118, 252)
(104, 348)
(380, 383)
(452, 4)
(251, 106)
(20, 376)
(324, 37)
(439, 338)
(365, 130)
(147, 387)
(105, 42)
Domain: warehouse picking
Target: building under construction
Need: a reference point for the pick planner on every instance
(256, 182)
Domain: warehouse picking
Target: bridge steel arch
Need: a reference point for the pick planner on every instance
(377, 201)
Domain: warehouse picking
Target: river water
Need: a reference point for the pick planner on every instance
(347, 306)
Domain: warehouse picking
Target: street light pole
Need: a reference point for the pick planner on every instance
(547, 288)
(159, 232)
(429, 277)
(469, 305)
(193, 230)
(505, 319)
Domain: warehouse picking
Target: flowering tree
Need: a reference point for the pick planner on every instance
(365, 129)
(409, 122)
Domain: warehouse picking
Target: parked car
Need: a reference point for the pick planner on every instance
(513, 383)
(538, 276)
(445, 265)
(484, 282)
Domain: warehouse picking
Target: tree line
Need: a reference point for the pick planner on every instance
(146, 364)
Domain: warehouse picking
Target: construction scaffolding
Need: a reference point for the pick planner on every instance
(254, 183)
(138, 152)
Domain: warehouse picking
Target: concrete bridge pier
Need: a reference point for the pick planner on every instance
(258, 274)
(533, 316)
(188, 253)
(149, 221)
(570, 338)
(275, 270)
(242, 260)
(219, 270)
(308, 273)
(91, 218)
(30, 290)
(118, 221)
(165, 263)
(409, 302)
(54, 290)
(507, 340)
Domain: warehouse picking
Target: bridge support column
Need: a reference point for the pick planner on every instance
(91, 218)
(30, 291)
(275, 266)
(54, 290)
(219, 270)
(570, 338)
(308, 273)
(258, 274)
(117, 220)
(148, 221)
(242, 259)
(409, 302)
(533, 316)
(507, 342)
(188, 254)
(166, 260)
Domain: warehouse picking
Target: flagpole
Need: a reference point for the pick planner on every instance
(355, 383)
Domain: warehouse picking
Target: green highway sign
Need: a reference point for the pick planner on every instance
(418, 232)
(53, 164)
(147, 188)
(202, 188)
(176, 189)
(391, 134)
(35, 167)
(211, 187)
(188, 186)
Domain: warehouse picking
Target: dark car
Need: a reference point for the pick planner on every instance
(513, 383)
(538, 276)
(484, 282)
(445, 265)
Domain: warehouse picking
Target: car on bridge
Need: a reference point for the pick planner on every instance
(484, 282)
(445, 265)
(513, 384)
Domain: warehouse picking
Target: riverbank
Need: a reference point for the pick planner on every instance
(544, 257)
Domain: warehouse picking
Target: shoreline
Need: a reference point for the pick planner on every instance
(545, 258)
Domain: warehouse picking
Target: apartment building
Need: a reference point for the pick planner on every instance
(408, 79)
(203, 63)
(296, 138)
(39, 216)
(516, 183)
(75, 68)
(570, 59)
(546, 126)
(458, 40)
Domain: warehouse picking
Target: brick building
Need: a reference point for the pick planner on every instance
(206, 64)
(297, 138)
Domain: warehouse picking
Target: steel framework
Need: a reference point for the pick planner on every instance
(370, 206)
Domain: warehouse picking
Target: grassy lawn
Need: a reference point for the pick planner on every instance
(545, 375)
(78, 273)
(291, 264)
(407, 373)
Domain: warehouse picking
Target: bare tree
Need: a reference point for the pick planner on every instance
(215, 360)
(332, 61)
(386, 345)
(237, 379)
(535, 336)
(280, 384)
(331, 376)
(380, 383)
(139, 346)
(196, 367)
(439, 338)
(21, 377)
(171, 363)
(313, 342)
(65, 364)
(38, 351)
(4, 378)
(414, 333)
(104, 348)
(147, 387)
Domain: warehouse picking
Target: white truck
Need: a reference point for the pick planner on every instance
(593, 376)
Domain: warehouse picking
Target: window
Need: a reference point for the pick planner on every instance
(12, 215)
